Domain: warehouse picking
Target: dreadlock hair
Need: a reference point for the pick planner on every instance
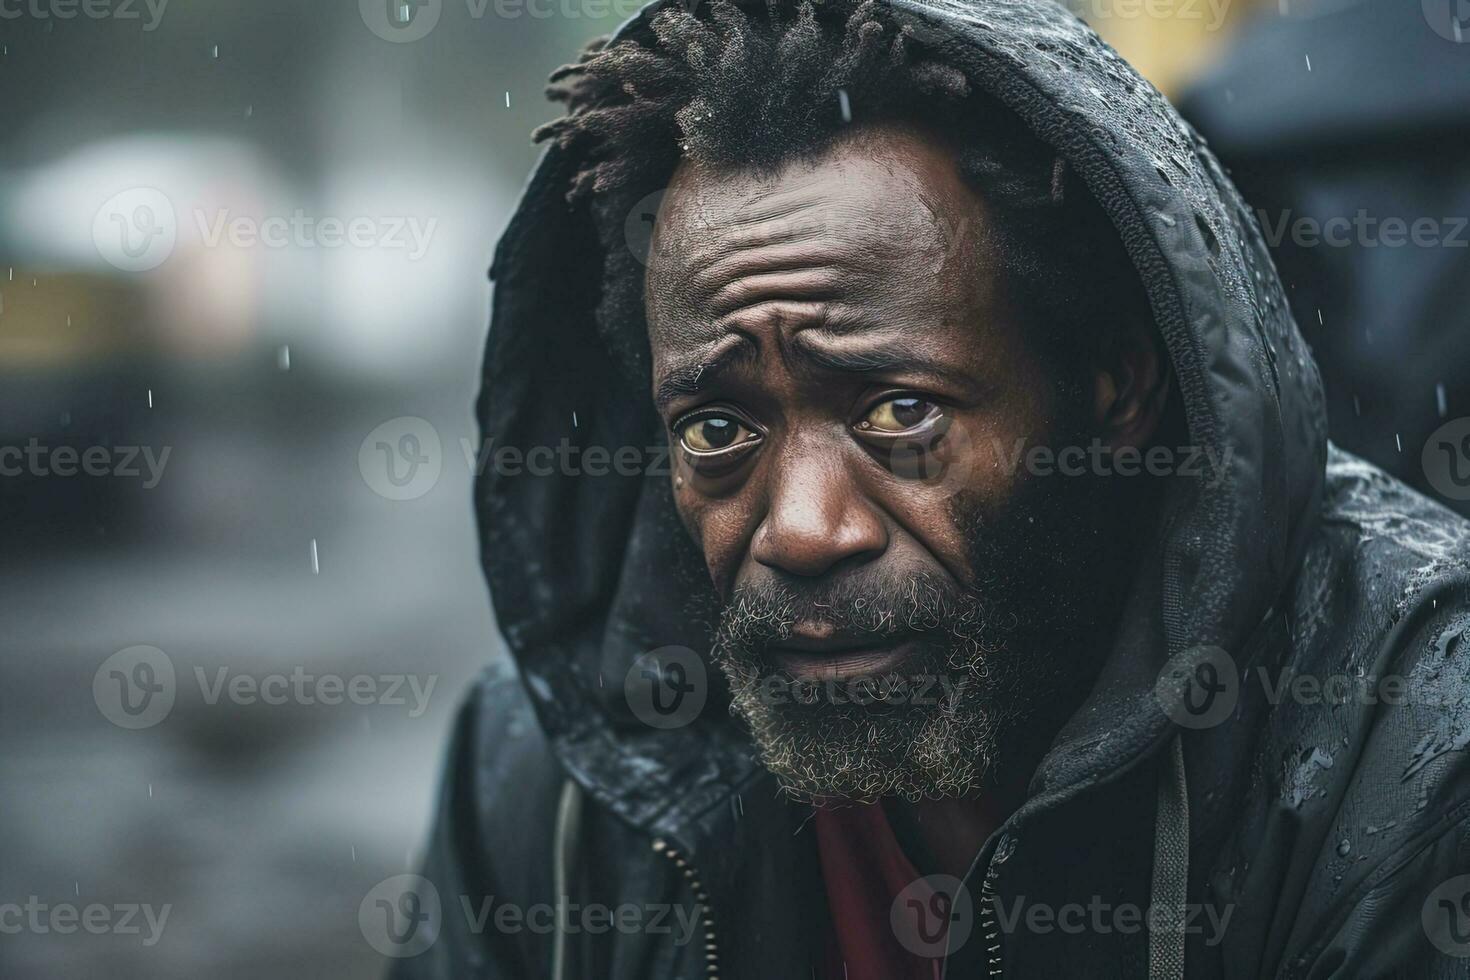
(757, 86)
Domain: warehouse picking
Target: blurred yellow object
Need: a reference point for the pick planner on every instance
(48, 319)
(1168, 41)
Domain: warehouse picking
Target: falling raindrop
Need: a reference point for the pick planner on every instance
(249, 111)
(507, 100)
(1319, 316)
(1398, 442)
(1309, 61)
(574, 418)
(1440, 400)
(844, 105)
(150, 791)
(1357, 407)
(216, 52)
(68, 323)
(150, 397)
(316, 567)
(283, 357)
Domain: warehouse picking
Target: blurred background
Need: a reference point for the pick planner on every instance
(242, 303)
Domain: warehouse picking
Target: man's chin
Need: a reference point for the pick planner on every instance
(862, 738)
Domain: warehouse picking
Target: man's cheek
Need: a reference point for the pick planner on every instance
(719, 531)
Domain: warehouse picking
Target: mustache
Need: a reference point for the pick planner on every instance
(882, 607)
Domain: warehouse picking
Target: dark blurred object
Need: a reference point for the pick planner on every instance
(1358, 115)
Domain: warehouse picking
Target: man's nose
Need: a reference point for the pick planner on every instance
(817, 519)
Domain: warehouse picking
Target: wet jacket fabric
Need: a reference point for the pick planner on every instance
(1307, 837)
(1346, 126)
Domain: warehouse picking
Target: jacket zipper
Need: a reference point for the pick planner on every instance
(988, 925)
(706, 914)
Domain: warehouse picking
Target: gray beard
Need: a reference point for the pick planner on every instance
(935, 728)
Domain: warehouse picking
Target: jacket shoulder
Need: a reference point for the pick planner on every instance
(1421, 541)
(1368, 762)
(491, 841)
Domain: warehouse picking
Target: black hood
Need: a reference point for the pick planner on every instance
(587, 572)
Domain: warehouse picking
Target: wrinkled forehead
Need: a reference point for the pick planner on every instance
(873, 216)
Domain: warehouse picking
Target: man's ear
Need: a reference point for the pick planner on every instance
(1131, 383)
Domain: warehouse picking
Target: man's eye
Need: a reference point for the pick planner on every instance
(712, 433)
(898, 414)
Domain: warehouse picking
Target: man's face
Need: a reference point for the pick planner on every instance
(845, 382)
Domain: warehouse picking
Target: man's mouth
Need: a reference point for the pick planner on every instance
(816, 653)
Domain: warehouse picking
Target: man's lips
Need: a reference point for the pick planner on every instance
(815, 654)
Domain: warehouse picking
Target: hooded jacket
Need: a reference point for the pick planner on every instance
(1306, 836)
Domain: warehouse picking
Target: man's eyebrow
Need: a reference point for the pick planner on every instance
(874, 360)
(693, 377)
